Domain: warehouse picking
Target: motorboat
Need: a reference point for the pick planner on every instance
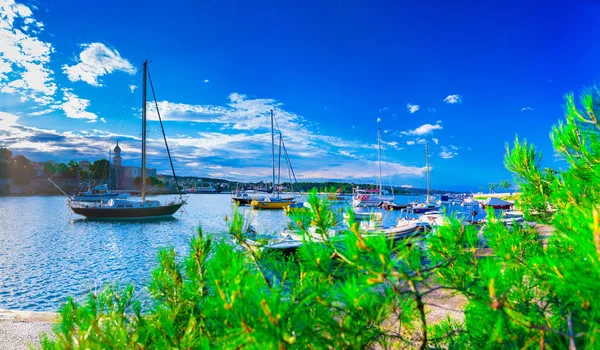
(99, 193)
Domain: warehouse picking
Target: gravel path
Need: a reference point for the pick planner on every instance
(21, 329)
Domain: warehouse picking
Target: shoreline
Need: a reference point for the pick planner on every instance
(22, 329)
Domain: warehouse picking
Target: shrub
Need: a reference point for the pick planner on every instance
(360, 291)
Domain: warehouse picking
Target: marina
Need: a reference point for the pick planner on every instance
(48, 253)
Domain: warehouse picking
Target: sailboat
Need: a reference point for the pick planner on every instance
(372, 198)
(130, 209)
(419, 208)
(273, 202)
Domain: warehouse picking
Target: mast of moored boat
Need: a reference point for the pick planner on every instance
(273, 150)
(427, 166)
(144, 132)
(379, 160)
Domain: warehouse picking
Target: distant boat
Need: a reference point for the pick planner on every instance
(275, 201)
(99, 193)
(374, 197)
(246, 197)
(420, 208)
(201, 190)
(127, 209)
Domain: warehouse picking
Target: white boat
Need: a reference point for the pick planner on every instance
(402, 229)
(377, 197)
(419, 208)
(127, 209)
(508, 218)
(99, 193)
(364, 215)
(470, 202)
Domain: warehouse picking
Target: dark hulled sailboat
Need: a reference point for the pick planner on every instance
(130, 209)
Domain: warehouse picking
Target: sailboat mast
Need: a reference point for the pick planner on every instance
(144, 132)
(273, 149)
(379, 159)
(427, 166)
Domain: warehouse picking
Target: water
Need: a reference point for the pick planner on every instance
(47, 253)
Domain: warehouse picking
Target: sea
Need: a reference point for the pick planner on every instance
(47, 253)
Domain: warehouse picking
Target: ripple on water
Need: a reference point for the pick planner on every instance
(47, 253)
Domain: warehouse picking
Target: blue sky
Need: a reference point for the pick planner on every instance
(465, 77)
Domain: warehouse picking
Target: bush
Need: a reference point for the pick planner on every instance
(362, 291)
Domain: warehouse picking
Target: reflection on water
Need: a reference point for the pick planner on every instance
(47, 253)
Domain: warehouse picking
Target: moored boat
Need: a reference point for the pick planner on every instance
(128, 209)
(271, 203)
(99, 193)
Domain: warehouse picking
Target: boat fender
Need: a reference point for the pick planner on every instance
(474, 212)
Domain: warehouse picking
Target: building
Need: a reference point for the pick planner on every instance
(123, 177)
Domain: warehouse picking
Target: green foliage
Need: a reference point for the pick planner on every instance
(100, 169)
(520, 290)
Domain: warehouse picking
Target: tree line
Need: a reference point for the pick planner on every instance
(22, 170)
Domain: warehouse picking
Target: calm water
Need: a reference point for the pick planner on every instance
(47, 253)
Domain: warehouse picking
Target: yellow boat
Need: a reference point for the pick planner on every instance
(271, 204)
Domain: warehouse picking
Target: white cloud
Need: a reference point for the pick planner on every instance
(379, 120)
(449, 152)
(406, 186)
(412, 108)
(526, 109)
(95, 61)
(206, 80)
(24, 58)
(435, 140)
(42, 112)
(423, 129)
(453, 99)
(431, 109)
(410, 143)
(132, 88)
(75, 107)
(383, 109)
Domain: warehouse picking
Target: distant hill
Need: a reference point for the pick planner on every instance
(304, 186)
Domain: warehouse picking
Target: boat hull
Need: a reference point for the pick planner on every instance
(270, 205)
(421, 210)
(162, 211)
(242, 201)
(505, 207)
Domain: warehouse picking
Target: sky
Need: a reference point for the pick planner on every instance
(464, 77)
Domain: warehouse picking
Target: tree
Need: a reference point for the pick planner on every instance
(137, 181)
(523, 292)
(100, 169)
(504, 184)
(49, 169)
(5, 162)
(492, 187)
(22, 170)
(152, 181)
(5, 154)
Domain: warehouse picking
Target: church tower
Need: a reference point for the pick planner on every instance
(118, 155)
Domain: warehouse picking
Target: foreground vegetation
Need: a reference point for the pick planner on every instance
(529, 294)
